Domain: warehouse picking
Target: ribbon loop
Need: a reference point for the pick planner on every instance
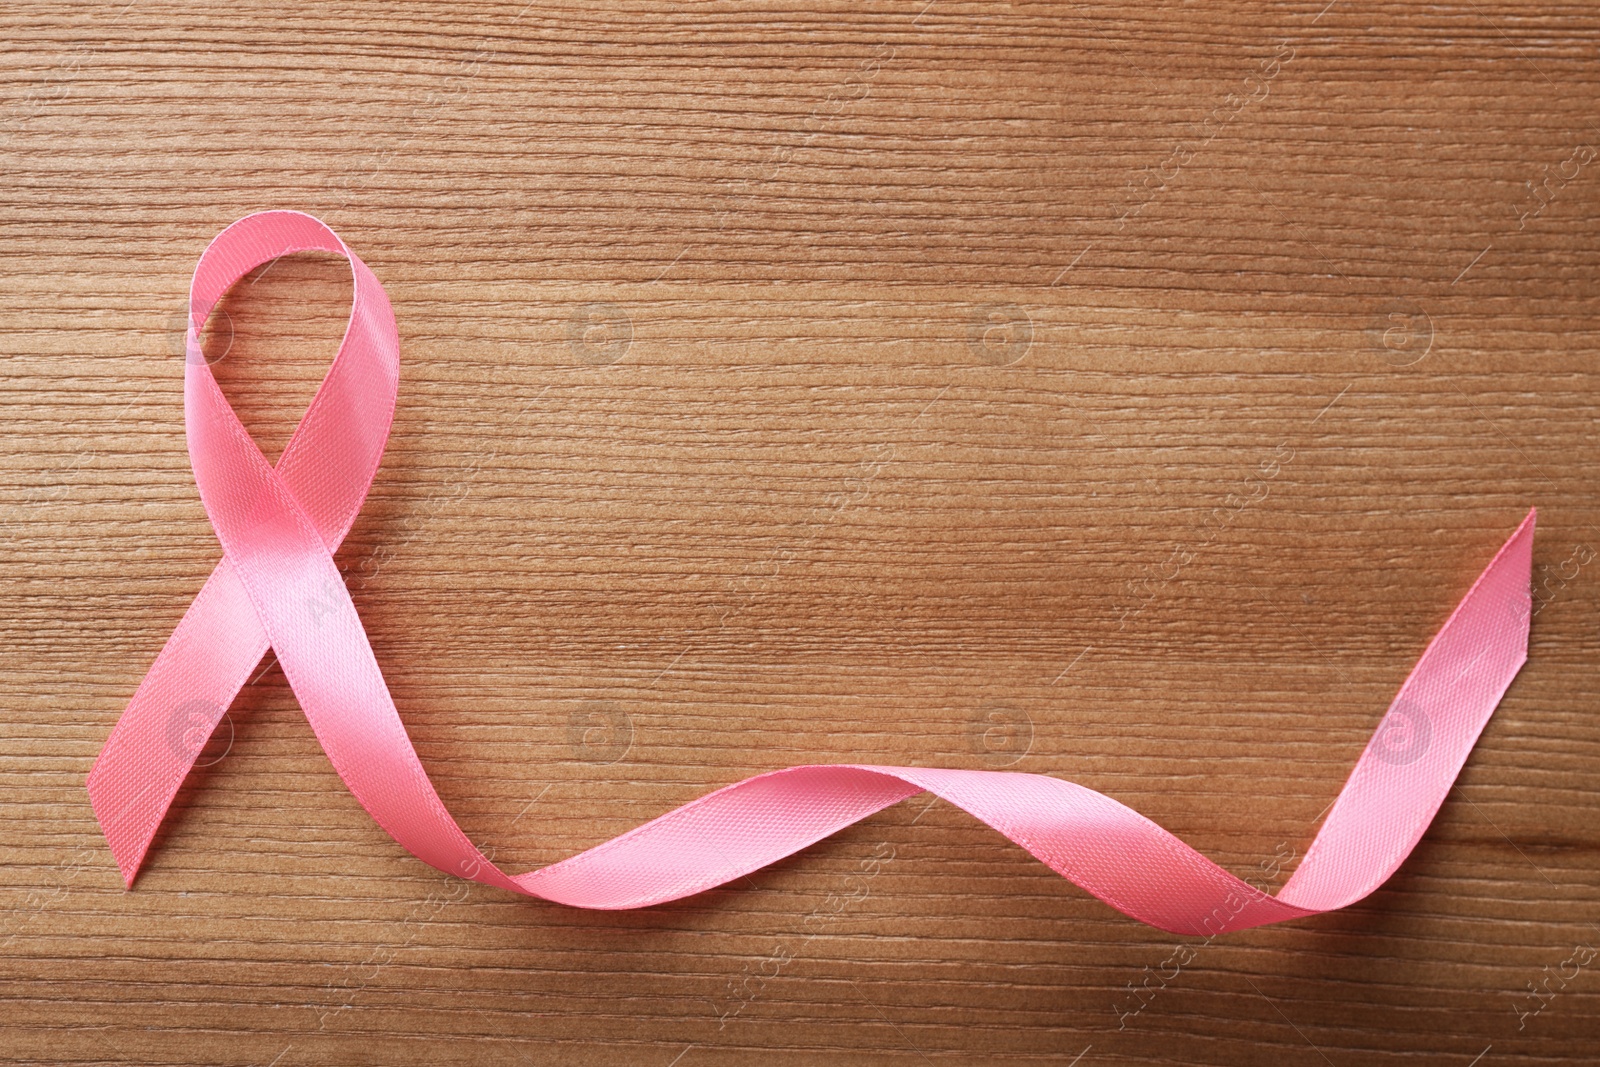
(277, 586)
(328, 465)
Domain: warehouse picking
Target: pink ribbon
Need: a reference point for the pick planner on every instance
(277, 586)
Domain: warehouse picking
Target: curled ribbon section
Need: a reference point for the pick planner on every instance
(277, 586)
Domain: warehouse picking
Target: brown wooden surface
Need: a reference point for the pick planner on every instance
(795, 383)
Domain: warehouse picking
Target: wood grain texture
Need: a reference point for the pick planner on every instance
(804, 382)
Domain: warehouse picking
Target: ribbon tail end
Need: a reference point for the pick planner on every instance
(129, 866)
(1517, 557)
(126, 849)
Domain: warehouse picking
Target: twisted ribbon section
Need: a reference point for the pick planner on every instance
(277, 586)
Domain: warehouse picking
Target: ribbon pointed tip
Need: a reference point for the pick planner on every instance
(126, 848)
(128, 864)
(1518, 549)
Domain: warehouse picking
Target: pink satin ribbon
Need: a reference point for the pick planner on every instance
(277, 586)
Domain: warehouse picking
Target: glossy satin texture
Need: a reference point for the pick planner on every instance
(277, 586)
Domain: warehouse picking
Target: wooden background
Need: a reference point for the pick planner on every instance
(808, 382)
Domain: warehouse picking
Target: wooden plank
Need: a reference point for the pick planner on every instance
(795, 383)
